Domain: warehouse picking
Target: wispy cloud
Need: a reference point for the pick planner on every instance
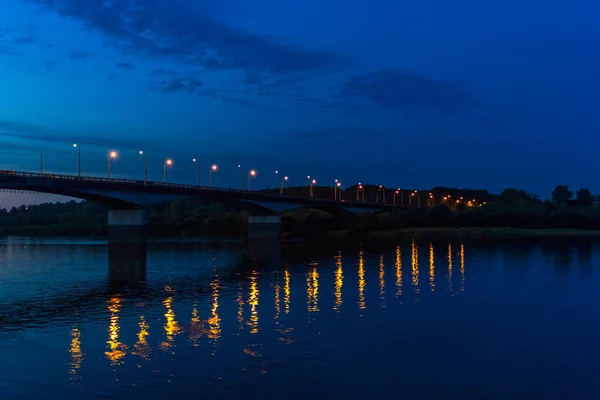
(395, 89)
(125, 65)
(190, 84)
(78, 55)
(190, 32)
(161, 72)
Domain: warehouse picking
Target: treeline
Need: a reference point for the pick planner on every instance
(178, 218)
(461, 208)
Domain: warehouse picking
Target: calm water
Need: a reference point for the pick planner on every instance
(414, 319)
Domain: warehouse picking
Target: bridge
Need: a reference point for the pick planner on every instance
(128, 199)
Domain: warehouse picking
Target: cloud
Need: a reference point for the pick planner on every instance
(161, 72)
(394, 89)
(20, 130)
(190, 32)
(191, 85)
(125, 65)
(24, 40)
(79, 55)
(49, 65)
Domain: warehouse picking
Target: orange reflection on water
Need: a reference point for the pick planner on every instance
(398, 271)
(253, 301)
(339, 282)
(117, 349)
(312, 289)
(141, 347)
(75, 351)
(277, 304)
(431, 268)
(287, 292)
(381, 281)
(450, 266)
(171, 326)
(214, 322)
(361, 281)
(415, 265)
(462, 267)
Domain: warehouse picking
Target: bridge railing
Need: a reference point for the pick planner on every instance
(163, 184)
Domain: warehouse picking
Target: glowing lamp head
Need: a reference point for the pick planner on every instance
(339, 184)
(141, 153)
(214, 167)
(169, 162)
(314, 181)
(276, 172)
(253, 173)
(285, 178)
(193, 160)
(112, 154)
(75, 145)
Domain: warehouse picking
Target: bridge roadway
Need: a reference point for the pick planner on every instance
(126, 194)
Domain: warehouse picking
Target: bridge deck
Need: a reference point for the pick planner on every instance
(66, 184)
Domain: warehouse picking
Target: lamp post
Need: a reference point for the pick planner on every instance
(251, 174)
(168, 163)
(241, 175)
(212, 168)
(197, 171)
(145, 164)
(358, 187)
(418, 199)
(335, 192)
(78, 159)
(382, 190)
(281, 180)
(42, 160)
(395, 193)
(312, 183)
(410, 199)
(431, 201)
(111, 155)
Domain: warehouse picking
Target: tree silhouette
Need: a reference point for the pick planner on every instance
(584, 197)
(561, 194)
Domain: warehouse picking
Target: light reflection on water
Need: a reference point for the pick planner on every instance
(334, 316)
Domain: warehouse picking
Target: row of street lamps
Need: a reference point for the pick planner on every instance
(360, 189)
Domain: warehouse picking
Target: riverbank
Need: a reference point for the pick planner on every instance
(469, 232)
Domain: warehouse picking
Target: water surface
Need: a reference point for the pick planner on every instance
(412, 319)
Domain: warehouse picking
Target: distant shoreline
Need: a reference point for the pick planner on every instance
(469, 232)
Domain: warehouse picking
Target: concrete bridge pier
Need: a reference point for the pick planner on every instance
(264, 239)
(127, 248)
(264, 227)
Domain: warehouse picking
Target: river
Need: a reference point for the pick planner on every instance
(412, 319)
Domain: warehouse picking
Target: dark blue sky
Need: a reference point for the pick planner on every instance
(482, 94)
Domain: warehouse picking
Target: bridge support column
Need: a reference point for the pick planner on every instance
(127, 247)
(264, 227)
(264, 240)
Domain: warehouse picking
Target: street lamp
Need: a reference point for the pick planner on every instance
(311, 187)
(241, 176)
(145, 164)
(42, 160)
(395, 193)
(111, 155)
(197, 171)
(281, 180)
(335, 190)
(212, 168)
(251, 174)
(382, 190)
(78, 159)
(168, 163)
